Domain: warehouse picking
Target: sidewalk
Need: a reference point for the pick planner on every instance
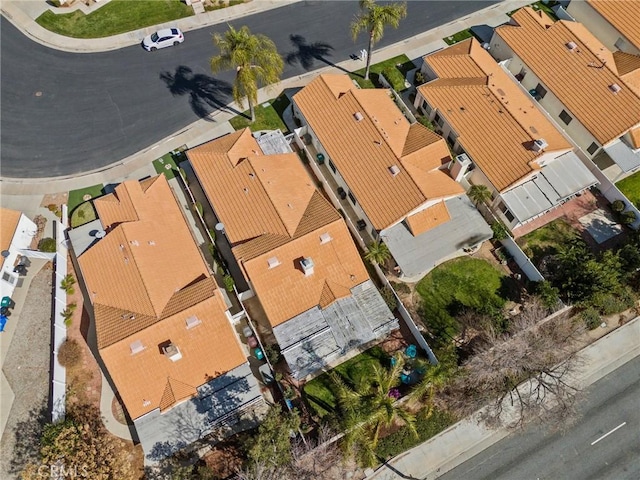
(202, 130)
(468, 437)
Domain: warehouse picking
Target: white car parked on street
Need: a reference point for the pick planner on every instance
(167, 37)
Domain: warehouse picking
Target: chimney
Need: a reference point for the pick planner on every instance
(307, 266)
(459, 166)
(136, 347)
(273, 262)
(172, 352)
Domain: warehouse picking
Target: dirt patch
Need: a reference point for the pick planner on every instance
(118, 411)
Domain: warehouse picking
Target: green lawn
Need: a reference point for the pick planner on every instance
(76, 197)
(169, 160)
(546, 240)
(267, 118)
(396, 67)
(117, 16)
(319, 391)
(630, 186)
(462, 283)
(83, 213)
(458, 37)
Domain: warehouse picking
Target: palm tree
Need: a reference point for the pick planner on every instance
(372, 19)
(434, 378)
(368, 406)
(255, 58)
(479, 194)
(378, 252)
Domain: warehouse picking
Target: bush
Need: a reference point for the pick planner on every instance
(426, 426)
(628, 217)
(212, 233)
(389, 298)
(401, 287)
(229, 283)
(500, 232)
(419, 78)
(67, 284)
(273, 353)
(424, 120)
(47, 245)
(618, 206)
(591, 318)
(70, 353)
(198, 208)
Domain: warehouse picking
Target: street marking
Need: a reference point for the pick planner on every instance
(608, 433)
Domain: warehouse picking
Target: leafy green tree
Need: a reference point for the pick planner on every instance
(47, 245)
(630, 257)
(548, 294)
(499, 230)
(479, 194)
(271, 447)
(373, 19)
(378, 253)
(368, 406)
(434, 378)
(255, 59)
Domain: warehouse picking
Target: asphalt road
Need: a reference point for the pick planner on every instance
(64, 113)
(591, 449)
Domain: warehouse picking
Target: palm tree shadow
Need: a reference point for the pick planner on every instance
(307, 53)
(206, 93)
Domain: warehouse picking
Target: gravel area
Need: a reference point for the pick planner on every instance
(27, 369)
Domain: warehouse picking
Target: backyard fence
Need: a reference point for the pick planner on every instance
(524, 262)
(408, 319)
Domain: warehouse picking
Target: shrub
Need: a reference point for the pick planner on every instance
(212, 233)
(273, 353)
(628, 217)
(389, 298)
(402, 440)
(419, 78)
(617, 206)
(47, 245)
(198, 208)
(212, 250)
(394, 77)
(70, 353)
(591, 318)
(67, 314)
(229, 283)
(424, 120)
(401, 287)
(500, 232)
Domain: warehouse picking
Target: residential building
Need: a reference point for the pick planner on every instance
(523, 159)
(293, 249)
(592, 93)
(161, 322)
(615, 23)
(16, 234)
(388, 175)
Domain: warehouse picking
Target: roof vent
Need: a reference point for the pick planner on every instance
(539, 145)
(273, 262)
(615, 88)
(307, 266)
(134, 243)
(146, 403)
(172, 351)
(571, 46)
(394, 170)
(136, 347)
(486, 46)
(358, 116)
(325, 238)
(151, 243)
(192, 321)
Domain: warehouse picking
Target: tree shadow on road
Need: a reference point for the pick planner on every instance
(206, 93)
(307, 53)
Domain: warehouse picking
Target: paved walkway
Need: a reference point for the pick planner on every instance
(201, 130)
(465, 439)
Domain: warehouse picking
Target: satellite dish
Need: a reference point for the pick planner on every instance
(5, 253)
(219, 227)
(100, 234)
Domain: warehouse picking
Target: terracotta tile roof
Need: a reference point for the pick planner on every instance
(8, 223)
(635, 137)
(495, 121)
(319, 212)
(626, 62)
(284, 291)
(581, 78)
(145, 278)
(208, 350)
(623, 15)
(365, 150)
(428, 218)
(253, 194)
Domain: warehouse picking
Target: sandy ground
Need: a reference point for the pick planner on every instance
(27, 370)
